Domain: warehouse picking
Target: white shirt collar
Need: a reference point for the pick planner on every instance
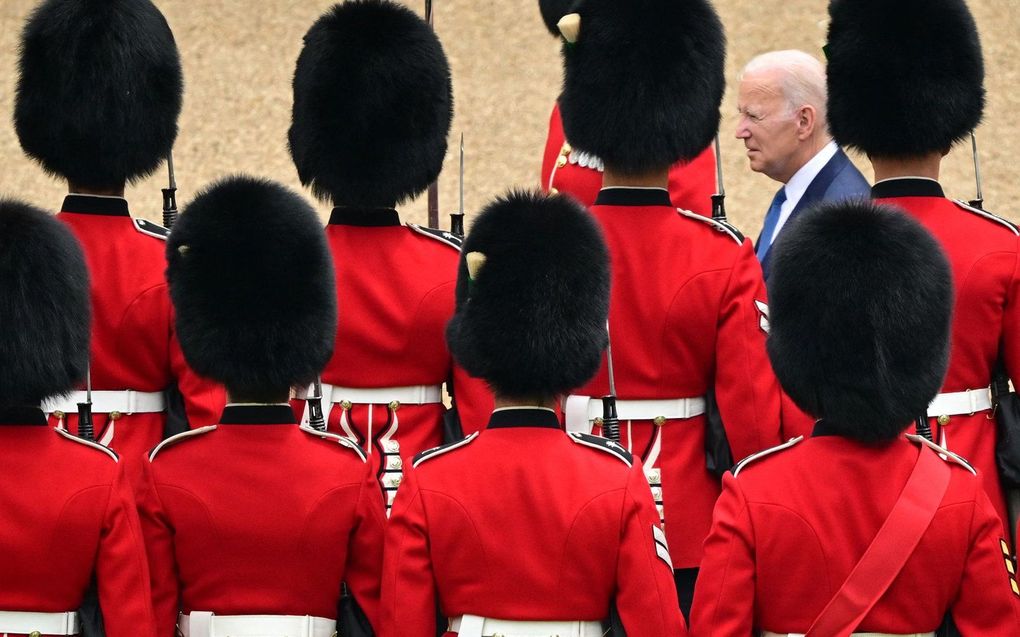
(801, 180)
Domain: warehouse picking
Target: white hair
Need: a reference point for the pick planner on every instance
(801, 78)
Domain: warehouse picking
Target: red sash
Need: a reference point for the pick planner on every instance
(889, 551)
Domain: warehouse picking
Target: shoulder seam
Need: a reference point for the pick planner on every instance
(715, 223)
(435, 452)
(765, 452)
(988, 215)
(587, 440)
(441, 236)
(342, 440)
(156, 230)
(945, 454)
(88, 443)
(178, 437)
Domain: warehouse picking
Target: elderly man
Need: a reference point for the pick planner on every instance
(783, 125)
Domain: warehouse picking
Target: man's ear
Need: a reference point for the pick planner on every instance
(806, 119)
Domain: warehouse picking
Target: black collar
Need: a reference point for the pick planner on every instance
(625, 196)
(258, 415)
(22, 415)
(523, 417)
(907, 187)
(365, 217)
(95, 205)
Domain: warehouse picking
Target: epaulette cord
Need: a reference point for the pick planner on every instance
(943, 453)
(754, 457)
(603, 444)
(987, 215)
(343, 441)
(721, 226)
(184, 435)
(152, 229)
(442, 236)
(435, 452)
(87, 443)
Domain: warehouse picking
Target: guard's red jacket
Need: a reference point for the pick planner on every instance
(68, 515)
(525, 522)
(256, 516)
(790, 527)
(133, 342)
(395, 285)
(691, 184)
(984, 253)
(687, 314)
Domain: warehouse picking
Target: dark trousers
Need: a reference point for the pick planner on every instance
(685, 578)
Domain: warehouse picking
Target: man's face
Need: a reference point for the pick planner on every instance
(767, 127)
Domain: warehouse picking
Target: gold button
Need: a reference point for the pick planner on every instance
(394, 405)
(35, 633)
(943, 419)
(346, 405)
(114, 415)
(659, 421)
(562, 161)
(565, 149)
(598, 422)
(59, 415)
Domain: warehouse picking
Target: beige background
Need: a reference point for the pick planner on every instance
(239, 57)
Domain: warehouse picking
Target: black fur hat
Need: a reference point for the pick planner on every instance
(860, 301)
(372, 105)
(44, 302)
(252, 284)
(552, 11)
(533, 319)
(99, 90)
(643, 83)
(905, 77)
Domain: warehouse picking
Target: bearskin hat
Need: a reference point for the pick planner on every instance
(860, 300)
(252, 284)
(99, 90)
(552, 11)
(532, 320)
(643, 83)
(44, 302)
(906, 77)
(372, 105)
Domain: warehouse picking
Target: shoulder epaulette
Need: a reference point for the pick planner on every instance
(721, 226)
(603, 444)
(435, 452)
(944, 453)
(152, 229)
(343, 441)
(754, 457)
(442, 236)
(88, 443)
(987, 215)
(172, 440)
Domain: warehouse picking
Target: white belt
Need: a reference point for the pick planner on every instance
(475, 626)
(125, 401)
(24, 623)
(580, 411)
(412, 395)
(771, 634)
(205, 624)
(961, 403)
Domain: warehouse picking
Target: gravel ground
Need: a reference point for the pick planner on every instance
(239, 57)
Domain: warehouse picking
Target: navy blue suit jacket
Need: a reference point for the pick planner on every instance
(839, 179)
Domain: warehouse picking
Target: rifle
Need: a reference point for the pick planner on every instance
(85, 428)
(610, 419)
(719, 198)
(979, 201)
(457, 218)
(170, 195)
(433, 192)
(315, 418)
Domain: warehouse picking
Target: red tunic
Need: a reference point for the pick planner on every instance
(546, 528)
(69, 515)
(691, 184)
(790, 527)
(984, 253)
(133, 342)
(249, 517)
(686, 315)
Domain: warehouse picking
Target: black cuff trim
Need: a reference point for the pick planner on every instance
(258, 415)
(365, 217)
(93, 205)
(523, 418)
(22, 415)
(906, 187)
(623, 196)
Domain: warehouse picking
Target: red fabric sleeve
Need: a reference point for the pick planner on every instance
(204, 399)
(122, 573)
(363, 572)
(1011, 323)
(159, 545)
(553, 144)
(474, 401)
(746, 388)
(646, 595)
(724, 596)
(408, 587)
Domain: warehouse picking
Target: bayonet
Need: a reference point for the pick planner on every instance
(85, 428)
(170, 195)
(457, 218)
(719, 198)
(980, 200)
